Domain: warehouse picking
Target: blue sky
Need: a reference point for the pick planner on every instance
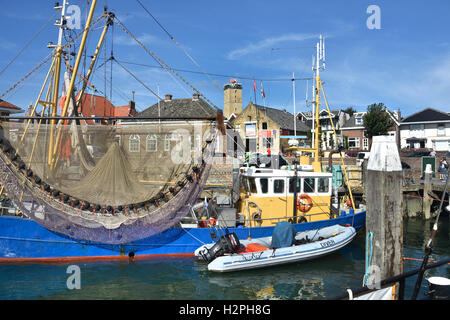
(405, 64)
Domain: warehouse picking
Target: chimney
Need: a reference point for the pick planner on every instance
(195, 96)
(168, 97)
(132, 106)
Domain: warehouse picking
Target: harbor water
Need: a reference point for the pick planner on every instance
(185, 278)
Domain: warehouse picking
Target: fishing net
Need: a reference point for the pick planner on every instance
(106, 183)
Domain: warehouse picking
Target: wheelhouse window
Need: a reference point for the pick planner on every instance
(278, 186)
(135, 142)
(323, 185)
(308, 185)
(252, 185)
(264, 183)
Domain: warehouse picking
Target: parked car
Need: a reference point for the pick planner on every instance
(418, 154)
(351, 154)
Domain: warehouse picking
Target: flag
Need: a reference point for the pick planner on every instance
(262, 91)
(254, 85)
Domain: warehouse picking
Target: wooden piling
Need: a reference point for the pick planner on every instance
(384, 221)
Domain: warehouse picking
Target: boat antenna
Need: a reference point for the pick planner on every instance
(293, 94)
(429, 245)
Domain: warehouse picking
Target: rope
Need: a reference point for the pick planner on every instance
(369, 253)
(26, 45)
(179, 46)
(137, 79)
(161, 62)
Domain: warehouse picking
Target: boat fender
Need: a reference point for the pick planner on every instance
(304, 203)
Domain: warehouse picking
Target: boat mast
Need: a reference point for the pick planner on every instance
(57, 72)
(54, 144)
(320, 64)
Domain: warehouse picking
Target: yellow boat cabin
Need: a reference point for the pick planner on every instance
(267, 196)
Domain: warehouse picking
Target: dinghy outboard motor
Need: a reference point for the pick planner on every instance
(228, 243)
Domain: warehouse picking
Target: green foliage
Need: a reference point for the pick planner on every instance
(376, 121)
(350, 111)
(345, 142)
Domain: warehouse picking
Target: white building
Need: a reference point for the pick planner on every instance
(428, 128)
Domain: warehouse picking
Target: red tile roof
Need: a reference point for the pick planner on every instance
(9, 106)
(93, 105)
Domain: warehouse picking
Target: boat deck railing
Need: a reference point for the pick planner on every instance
(400, 279)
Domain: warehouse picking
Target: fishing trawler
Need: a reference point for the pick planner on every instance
(106, 212)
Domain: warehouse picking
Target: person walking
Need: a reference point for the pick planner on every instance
(443, 167)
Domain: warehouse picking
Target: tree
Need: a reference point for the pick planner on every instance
(376, 121)
(350, 111)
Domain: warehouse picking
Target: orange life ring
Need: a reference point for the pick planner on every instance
(304, 203)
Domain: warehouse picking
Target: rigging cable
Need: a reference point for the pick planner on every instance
(429, 245)
(34, 37)
(137, 79)
(179, 46)
(161, 62)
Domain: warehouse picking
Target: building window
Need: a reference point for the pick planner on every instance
(416, 127)
(365, 144)
(278, 186)
(268, 142)
(264, 125)
(441, 130)
(167, 142)
(353, 142)
(135, 142)
(264, 182)
(358, 120)
(151, 143)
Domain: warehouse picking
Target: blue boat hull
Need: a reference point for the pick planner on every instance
(25, 240)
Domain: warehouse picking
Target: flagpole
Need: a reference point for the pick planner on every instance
(254, 89)
(263, 94)
(293, 93)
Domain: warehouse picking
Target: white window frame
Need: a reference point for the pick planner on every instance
(151, 143)
(167, 139)
(355, 141)
(134, 143)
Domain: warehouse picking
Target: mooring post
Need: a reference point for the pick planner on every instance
(384, 221)
(427, 200)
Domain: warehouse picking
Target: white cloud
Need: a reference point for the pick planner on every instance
(145, 38)
(268, 43)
